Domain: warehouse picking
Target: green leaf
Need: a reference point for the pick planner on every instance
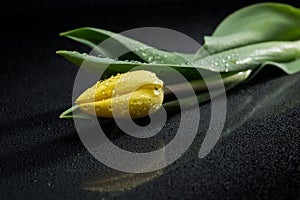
(253, 24)
(73, 113)
(291, 67)
(118, 44)
(243, 58)
(95, 65)
(253, 56)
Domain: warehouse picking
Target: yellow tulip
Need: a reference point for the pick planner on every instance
(133, 94)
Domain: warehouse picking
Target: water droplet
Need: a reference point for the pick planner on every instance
(86, 106)
(156, 91)
(98, 84)
(226, 67)
(156, 106)
(150, 58)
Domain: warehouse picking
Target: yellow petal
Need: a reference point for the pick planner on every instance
(138, 92)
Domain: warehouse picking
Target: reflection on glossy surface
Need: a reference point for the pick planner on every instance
(119, 181)
(107, 180)
(278, 94)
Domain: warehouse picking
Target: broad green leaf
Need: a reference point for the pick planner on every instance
(118, 44)
(291, 67)
(242, 58)
(253, 24)
(94, 64)
(253, 56)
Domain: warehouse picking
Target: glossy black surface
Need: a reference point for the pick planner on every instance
(42, 157)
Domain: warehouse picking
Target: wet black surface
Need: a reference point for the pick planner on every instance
(42, 156)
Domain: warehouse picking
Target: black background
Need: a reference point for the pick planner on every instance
(42, 157)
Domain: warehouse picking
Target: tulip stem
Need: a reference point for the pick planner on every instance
(199, 86)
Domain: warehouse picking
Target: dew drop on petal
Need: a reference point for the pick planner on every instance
(156, 91)
(86, 106)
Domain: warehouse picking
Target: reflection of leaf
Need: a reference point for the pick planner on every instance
(120, 182)
(116, 181)
(278, 96)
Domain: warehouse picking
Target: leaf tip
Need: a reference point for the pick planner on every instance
(64, 33)
(60, 52)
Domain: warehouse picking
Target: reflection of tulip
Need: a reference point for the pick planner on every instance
(139, 92)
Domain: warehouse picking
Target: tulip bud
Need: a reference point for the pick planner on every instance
(136, 94)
